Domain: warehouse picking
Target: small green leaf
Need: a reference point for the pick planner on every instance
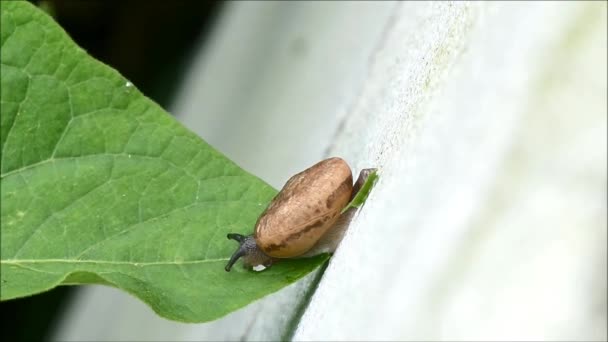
(361, 196)
(99, 185)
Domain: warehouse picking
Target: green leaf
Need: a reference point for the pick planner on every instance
(99, 185)
(362, 194)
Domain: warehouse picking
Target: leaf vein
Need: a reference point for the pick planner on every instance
(67, 125)
(12, 124)
(20, 262)
(54, 213)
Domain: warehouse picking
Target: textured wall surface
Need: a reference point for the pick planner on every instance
(488, 123)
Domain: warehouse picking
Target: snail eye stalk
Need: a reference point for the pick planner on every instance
(236, 237)
(239, 253)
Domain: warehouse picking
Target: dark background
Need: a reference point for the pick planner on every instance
(151, 44)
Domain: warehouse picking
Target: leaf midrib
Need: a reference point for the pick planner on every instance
(108, 262)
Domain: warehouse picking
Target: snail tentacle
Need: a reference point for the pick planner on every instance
(248, 250)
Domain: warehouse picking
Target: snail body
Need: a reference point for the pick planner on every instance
(304, 218)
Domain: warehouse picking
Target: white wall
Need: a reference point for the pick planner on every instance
(488, 122)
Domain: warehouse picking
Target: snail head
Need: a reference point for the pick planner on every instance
(248, 250)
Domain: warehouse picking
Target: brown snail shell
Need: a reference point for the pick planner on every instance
(305, 209)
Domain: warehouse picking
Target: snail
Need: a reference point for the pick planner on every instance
(305, 218)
